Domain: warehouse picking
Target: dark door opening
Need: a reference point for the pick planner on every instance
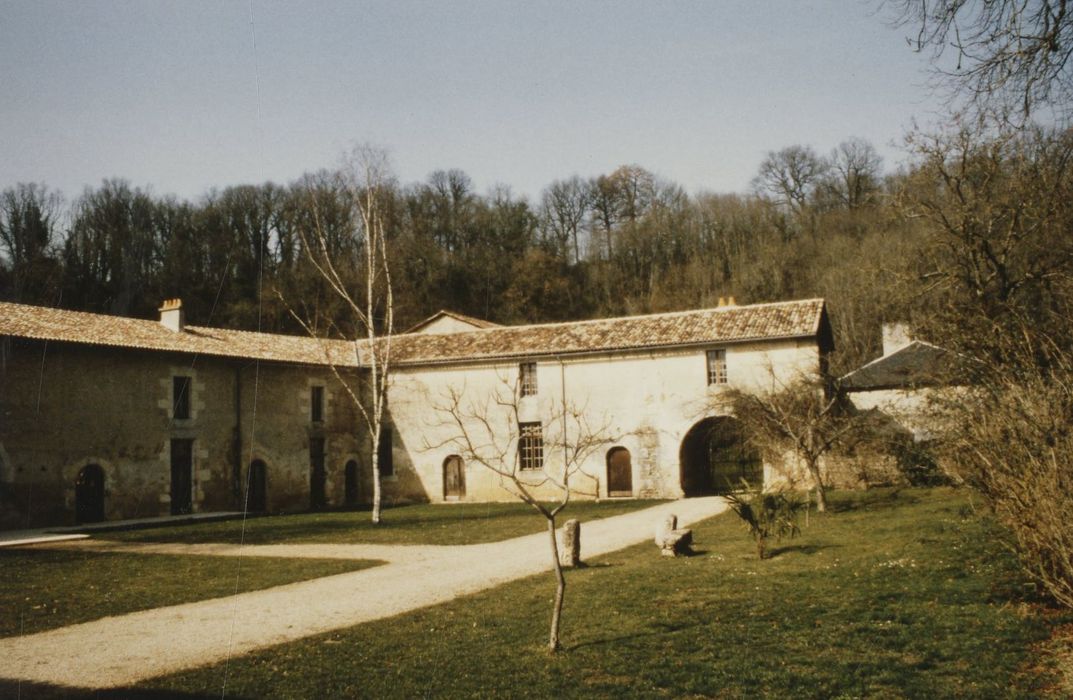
(317, 477)
(619, 473)
(350, 476)
(454, 479)
(257, 497)
(89, 494)
(715, 459)
(182, 476)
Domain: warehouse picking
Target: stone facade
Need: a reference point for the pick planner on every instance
(66, 406)
(164, 418)
(649, 401)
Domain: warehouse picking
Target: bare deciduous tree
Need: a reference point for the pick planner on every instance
(564, 206)
(790, 176)
(799, 417)
(488, 430)
(854, 173)
(998, 292)
(1011, 54)
(29, 215)
(366, 178)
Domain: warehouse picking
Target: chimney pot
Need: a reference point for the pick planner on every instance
(722, 302)
(172, 315)
(731, 302)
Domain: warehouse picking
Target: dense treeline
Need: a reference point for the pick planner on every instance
(622, 243)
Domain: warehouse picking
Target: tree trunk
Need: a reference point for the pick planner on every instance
(376, 480)
(560, 590)
(821, 494)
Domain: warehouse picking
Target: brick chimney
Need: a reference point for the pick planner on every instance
(172, 315)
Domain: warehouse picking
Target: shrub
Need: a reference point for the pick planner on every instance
(767, 515)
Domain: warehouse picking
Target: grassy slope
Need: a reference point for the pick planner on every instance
(899, 595)
(463, 523)
(45, 589)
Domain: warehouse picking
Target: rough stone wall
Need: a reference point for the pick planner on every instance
(65, 406)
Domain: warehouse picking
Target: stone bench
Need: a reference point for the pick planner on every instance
(671, 541)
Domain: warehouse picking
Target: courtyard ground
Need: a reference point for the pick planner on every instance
(131, 648)
(904, 593)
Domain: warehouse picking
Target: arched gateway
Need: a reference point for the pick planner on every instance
(714, 458)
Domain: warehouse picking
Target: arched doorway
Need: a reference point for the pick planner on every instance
(454, 479)
(619, 472)
(89, 494)
(257, 496)
(350, 485)
(714, 458)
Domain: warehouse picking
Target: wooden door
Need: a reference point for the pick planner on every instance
(317, 476)
(257, 499)
(182, 476)
(350, 475)
(619, 473)
(89, 494)
(454, 478)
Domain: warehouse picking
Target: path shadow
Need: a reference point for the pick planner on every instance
(13, 689)
(807, 549)
(872, 499)
(661, 628)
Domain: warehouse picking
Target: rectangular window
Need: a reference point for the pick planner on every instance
(527, 378)
(316, 400)
(717, 367)
(180, 398)
(531, 445)
(385, 457)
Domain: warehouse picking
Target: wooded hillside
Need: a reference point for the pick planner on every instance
(623, 243)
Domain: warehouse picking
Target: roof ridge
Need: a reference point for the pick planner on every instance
(611, 319)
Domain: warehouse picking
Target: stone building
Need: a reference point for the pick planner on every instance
(903, 381)
(105, 418)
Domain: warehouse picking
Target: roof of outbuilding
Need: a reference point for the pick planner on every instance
(915, 365)
(730, 324)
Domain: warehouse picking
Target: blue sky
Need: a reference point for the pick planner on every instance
(174, 96)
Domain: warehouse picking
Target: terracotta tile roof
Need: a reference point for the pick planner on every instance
(793, 319)
(41, 323)
(471, 320)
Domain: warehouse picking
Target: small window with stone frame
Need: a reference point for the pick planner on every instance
(530, 446)
(717, 367)
(527, 376)
(180, 398)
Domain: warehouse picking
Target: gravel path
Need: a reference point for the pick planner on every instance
(129, 648)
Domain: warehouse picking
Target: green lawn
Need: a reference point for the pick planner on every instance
(900, 594)
(44, 589)
(462, 523)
